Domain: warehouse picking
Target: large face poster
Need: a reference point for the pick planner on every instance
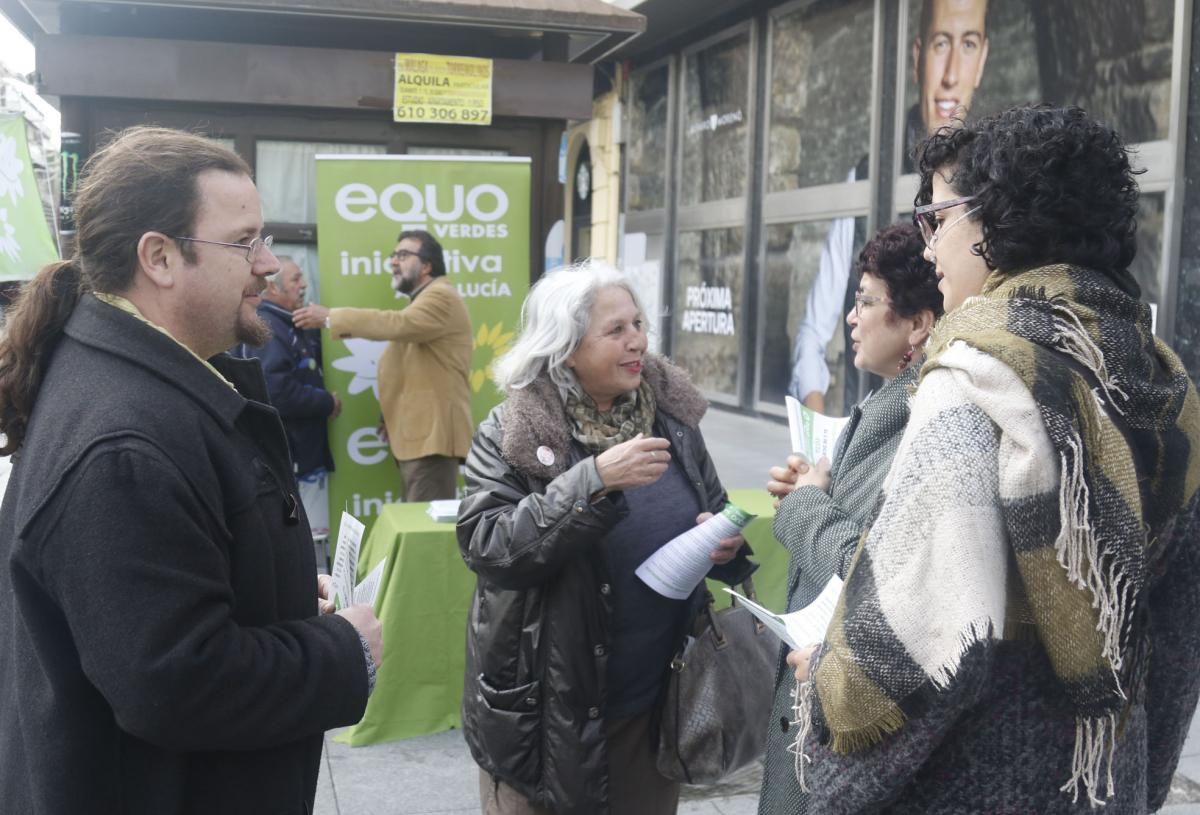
(971, 58)
(478, 209)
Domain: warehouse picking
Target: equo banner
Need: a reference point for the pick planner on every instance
(26, 243)
(478, 209)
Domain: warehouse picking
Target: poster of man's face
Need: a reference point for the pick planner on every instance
(949, 53)
(972, 58)
(969, 58)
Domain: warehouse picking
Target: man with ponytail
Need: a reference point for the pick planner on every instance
(162, 648)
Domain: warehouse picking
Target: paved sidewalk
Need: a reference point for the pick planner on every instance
(435, 774)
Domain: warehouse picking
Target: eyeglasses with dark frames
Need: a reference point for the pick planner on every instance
(926, 221)
(252, 248)
(405, 254)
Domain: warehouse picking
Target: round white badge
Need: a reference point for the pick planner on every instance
(545, 455)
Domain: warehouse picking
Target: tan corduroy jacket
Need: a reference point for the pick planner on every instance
(424, 393)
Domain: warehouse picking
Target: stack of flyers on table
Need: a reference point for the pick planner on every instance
(814, 435)
(443, 510)
(800, 628)
(682, 562)
(345, 567)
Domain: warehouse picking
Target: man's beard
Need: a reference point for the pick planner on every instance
(403, 284)
(254, 331)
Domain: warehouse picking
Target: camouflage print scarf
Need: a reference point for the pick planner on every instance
(1075, 503)
(631, 414)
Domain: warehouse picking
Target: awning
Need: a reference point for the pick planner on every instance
(594, 28)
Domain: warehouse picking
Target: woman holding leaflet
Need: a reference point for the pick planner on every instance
(823, 508)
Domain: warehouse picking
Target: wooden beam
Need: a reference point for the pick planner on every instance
(268, 75)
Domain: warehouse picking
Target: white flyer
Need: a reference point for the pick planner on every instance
(803, 627)
(682, 562)
(366, 591)
(345, 559)
(444, 510)
(814, 435)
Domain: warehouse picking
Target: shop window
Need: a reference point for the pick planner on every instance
(707, 307)
(1147, 264)
(806, 294)
(305, 256)
(646, 145)
(716, 122)
(820, 95)
(433, 150)
(286, 174)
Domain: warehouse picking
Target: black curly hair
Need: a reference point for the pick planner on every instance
(896, 256)
(1052, 184)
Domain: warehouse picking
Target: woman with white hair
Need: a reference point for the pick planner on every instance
(591, 464)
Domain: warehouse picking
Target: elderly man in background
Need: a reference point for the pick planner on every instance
(291, 362)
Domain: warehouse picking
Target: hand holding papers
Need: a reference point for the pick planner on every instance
(345, 567)
(803, 627)
(813, 434)
(682, 562)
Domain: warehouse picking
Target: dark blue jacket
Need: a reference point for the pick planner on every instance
(291, 362)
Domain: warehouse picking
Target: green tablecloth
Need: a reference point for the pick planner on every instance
(423, 603)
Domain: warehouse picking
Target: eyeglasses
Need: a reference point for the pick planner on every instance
(252, 248)
(923, 217)
(868, 300)
(404, 254)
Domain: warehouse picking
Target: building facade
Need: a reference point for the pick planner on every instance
(764, 142)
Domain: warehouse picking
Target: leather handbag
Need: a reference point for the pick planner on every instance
(722, 683)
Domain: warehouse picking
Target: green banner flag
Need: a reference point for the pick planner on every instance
(26, 243)
(478, 209)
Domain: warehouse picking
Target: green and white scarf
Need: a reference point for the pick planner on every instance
(1094, 429)
(631, 413)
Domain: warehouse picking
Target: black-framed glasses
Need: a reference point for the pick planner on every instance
(405, 254)
(867, 300)
(252, 248)
(926, 221)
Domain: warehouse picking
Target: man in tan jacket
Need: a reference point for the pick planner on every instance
(424, 394)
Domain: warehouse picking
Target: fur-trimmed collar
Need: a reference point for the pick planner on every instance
(535, 418)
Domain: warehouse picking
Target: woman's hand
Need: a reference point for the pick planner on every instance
(817, 476)
(634, 463)
(783, 479)
(801, 659)
(728, 548)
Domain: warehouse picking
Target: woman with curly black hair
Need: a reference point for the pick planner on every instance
(1017, 630)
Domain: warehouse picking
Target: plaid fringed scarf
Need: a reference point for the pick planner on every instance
(1093, 427)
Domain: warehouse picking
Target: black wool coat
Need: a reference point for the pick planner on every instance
(159, 650)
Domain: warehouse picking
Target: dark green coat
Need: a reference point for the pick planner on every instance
(821, 531)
